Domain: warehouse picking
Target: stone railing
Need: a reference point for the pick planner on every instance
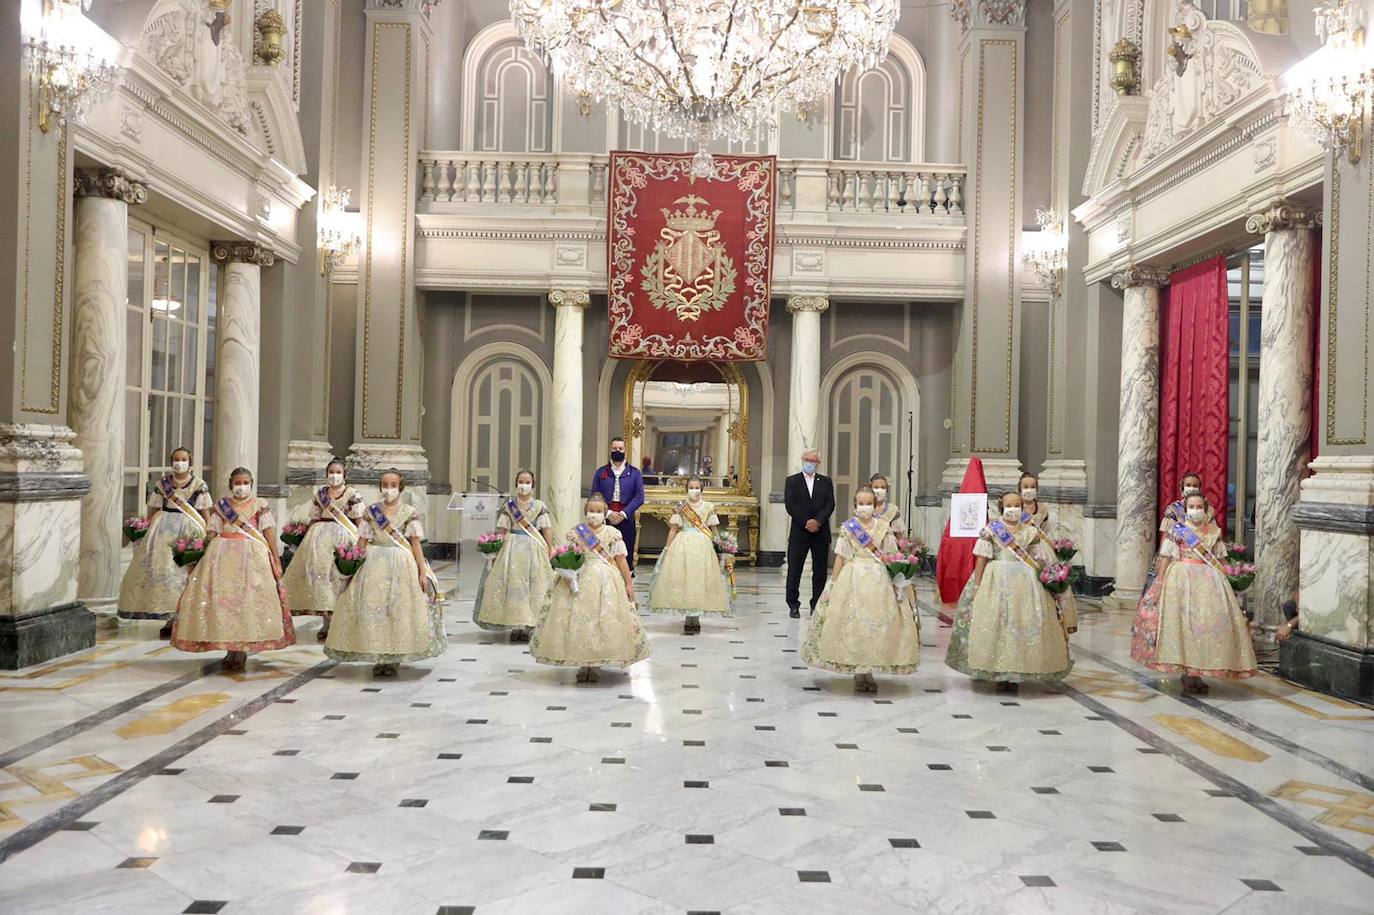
(808, 189)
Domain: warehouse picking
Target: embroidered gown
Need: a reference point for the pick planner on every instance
(312, 582)
(1174, 513)
(859, 626)
(233, 601)
(688, 577)
(153, 583)
(893, 516)
(1009, 628)
(383, 616)
(1189, 622)
(512, 588)
(597, 626)
(1068, 601)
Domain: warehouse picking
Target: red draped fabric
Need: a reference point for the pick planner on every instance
(954, 562)
(1195, 383)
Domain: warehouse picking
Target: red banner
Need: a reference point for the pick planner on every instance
(690, 260)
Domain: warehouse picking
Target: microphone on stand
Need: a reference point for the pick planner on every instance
(910, 470)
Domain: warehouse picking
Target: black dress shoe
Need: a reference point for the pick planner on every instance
(795, 613)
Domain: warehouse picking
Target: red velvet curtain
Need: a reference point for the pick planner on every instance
(1195, 383)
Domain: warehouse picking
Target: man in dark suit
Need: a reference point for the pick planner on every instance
(622, 485)
(810, 501)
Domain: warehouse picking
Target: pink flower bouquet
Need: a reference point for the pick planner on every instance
(490, 543)
(567, 561)
(349, 559)
(1065, 549)
(725, 543)
(1241, 575)
(1056, 577)
(902, 569)
(1237, 552)
(135, 528)
(293, 533)
(187, 550)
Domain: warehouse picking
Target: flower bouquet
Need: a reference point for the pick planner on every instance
(1065, 549)
(135, 528)
(490, 543)
(567, 562)
(915, 546)
(725, 543)
(1241, 575)
(1237, 552)
(1056, 577)
(292, 534)
(186, 550)
(349, 559)
(902, 568)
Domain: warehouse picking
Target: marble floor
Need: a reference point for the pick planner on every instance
(719, 776)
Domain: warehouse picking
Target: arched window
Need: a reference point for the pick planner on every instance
(505, 403)
(865, 425)
(879, 114)
(514, 104)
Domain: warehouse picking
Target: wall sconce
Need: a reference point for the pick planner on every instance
(1047, 251)
(271, 29)
(1329, 92)
(72, 62)
(338, 235)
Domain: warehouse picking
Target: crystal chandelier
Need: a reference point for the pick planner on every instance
(72, 62)
(706, 70)
(1329, 93)
(338, 233)
(1047, 251)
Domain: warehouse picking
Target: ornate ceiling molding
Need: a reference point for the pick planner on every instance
(109, 182)
(1283, 215)
(1140, 275)
(242, 252)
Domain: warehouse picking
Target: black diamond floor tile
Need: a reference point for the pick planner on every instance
(364, 867)
(288, 830)
(813, 876)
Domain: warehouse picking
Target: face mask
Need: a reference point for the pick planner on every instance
(1196, 515)
(335, 479)
(524, 489)
(595, 518)
(391, 494)
(863, 512)
(1191, 491)
(1011, 514)
(694, 494)
(1029, 493)
(241, 490)
(808, 467)
(181, 466)
(880, 494)
(617, 457)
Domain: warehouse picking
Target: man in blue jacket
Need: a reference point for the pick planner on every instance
(622, 485)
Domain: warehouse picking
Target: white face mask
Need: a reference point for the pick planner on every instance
(863, 512)
(694, 494)
(334, 479)
(241, 490)
(880, 494)
(596, 518)
(391, 494)
(1029, 493)
(181, 466)
(1197, 515)
(1011, 515)
(524, 489)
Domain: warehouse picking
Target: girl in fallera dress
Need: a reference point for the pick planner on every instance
(596, 625)
(860, 626)
(234, 601)
(391, 610)
(178, 506)
(312, 581)
(688, 579)
(1007, 627)
(1190, 622)
(1033, 512)
(514, 583)
(1174, 513)
(884, 508)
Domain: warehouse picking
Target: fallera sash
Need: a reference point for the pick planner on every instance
(1004, 536)
(1186, 537)
(230, 514)
(868, 541)
(686, 510)
(592, 542)
(519, 518)
(170, 494)
(335, 513)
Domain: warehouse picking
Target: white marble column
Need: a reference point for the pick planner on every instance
(238, 357)
(803, 402)
(1138, 431)
(96, 405)
(563, 478)
(1285, 400)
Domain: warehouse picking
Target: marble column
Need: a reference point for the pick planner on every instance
(238, 357)
(96, 406)
(563, 479)
(805, 373)
(1138, 431)
(1285, 400)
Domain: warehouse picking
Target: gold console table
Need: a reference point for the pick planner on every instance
(733, 510)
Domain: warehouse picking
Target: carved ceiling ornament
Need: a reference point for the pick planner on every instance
(977, 13)
(1212, 66)
(191, 42)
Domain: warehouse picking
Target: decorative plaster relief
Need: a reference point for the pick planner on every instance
(808, 261)
(570, 256)
(190, 40)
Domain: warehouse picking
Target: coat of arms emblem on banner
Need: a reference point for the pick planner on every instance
(689, 271)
